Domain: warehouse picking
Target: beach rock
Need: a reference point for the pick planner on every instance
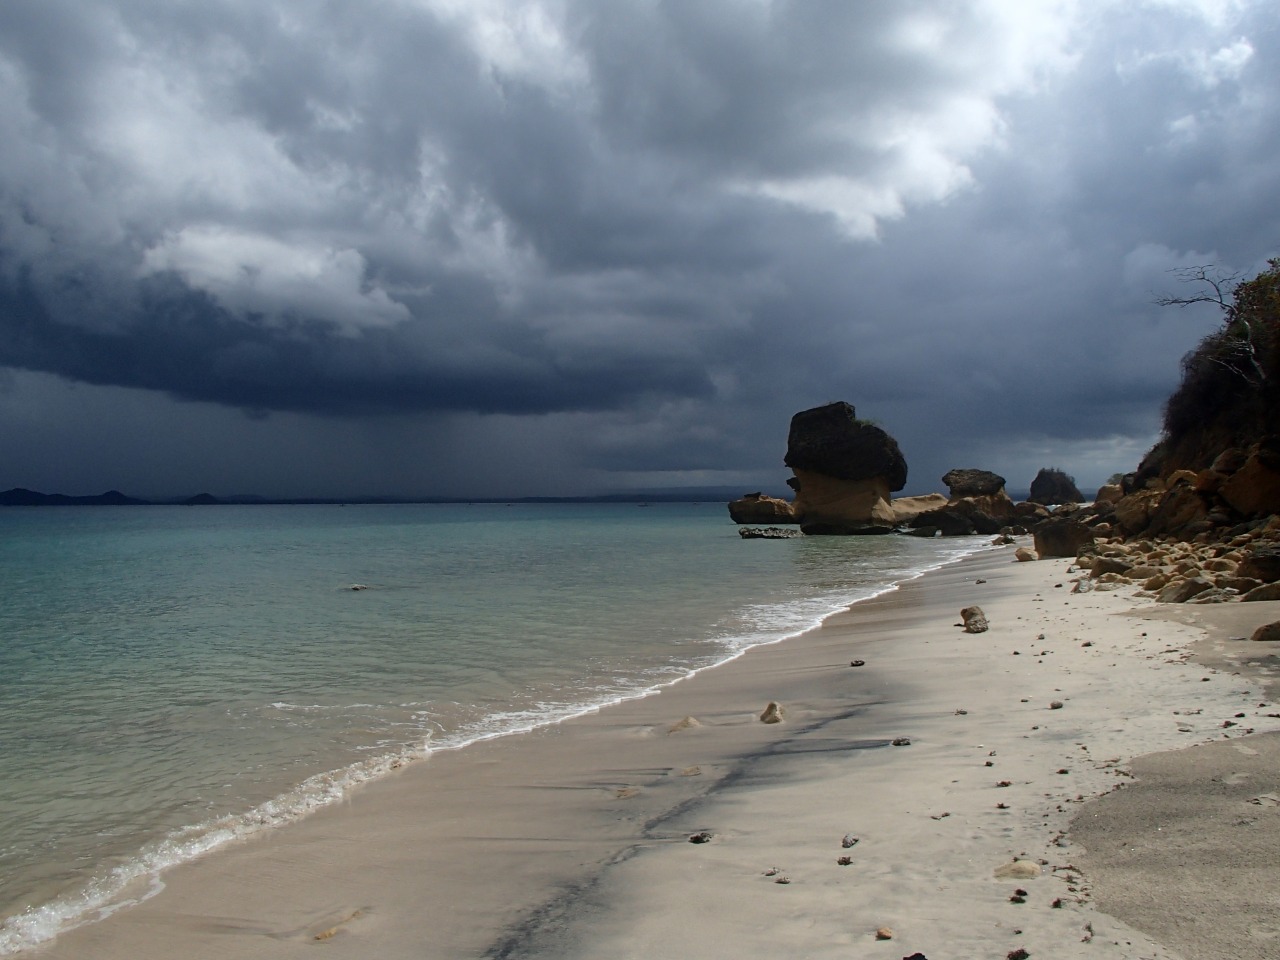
(884, 933)
(1180, 591)
(946, 521)
(1215, 595)
(832, 441)
(758, 508)
(1261, 563)
(701, 837)
(1268, 591)
(975, 621)
(1269, 632)
(845, 469)
(1103, 565)
(1018, 870)
(1177, 512)
(767, 533)
(1109, 493)
(1254, 489)
(772, 713)
(833, 506)
(687, 723)
(906, 509)
(1023, 555)
(968, 482)
(1053, 486)
(1062, 537)
(1133, 512)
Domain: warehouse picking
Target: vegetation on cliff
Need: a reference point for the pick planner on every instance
(1230, 390)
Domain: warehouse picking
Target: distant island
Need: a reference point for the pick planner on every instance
(21, 497)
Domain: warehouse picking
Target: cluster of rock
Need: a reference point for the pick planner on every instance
(846, 471)
(1244, 567)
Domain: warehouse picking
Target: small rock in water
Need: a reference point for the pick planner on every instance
(901, 741)
(359, 586)
(772, 713)
(702, 837)
(975, 621)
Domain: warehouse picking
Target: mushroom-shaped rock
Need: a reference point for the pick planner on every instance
(845, 471)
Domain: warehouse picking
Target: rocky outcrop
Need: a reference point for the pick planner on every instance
(845, 469)
(906, 509)
(758, 508)
(972, 483)
(1052, 486)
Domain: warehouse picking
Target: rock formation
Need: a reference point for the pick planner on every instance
(758, 508)
(845, 472)
(978, 504)
(1052, 486)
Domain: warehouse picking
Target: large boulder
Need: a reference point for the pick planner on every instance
(1261, 563)
(1254, 488)
(845, 469)
(1053, 486)
(831, 440)
(1061, 537)
(906, 509)
(973, 483)
(829, 505)
(758, 508)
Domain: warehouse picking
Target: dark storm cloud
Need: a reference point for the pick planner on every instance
(648, 231)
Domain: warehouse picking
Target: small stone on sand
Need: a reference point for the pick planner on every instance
(849, 841)
(884, 933)
(702, 837)
(685, 724)
(691, 772)
(975, 621)
(857, 663)
(772, 713)
(1018, 870)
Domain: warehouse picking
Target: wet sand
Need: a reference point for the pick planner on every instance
(573, 841)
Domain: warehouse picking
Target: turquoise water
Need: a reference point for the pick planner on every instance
(174, 677)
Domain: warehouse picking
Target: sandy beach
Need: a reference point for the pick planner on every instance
(574, 840)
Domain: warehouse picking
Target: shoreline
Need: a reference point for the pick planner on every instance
(572, 840)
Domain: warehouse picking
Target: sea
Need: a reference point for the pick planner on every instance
(174, 678)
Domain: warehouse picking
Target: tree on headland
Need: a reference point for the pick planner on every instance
(1230, 390)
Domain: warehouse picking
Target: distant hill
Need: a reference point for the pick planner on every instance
(19, 497)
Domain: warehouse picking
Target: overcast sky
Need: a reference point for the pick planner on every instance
(491, 248)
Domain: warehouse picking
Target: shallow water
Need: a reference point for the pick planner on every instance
(172, 677)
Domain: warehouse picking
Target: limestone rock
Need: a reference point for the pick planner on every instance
(1053, 486)
(906, 509)
(1268, 632)
(975, 621)
(831, 440)
(1180, 591)
(968, 482)
(845, 472)
(758, 508)
(1062, 537)
(1268, 591)
(1109, 493)
(1261, 563)
(1254, 489)
(831, 505)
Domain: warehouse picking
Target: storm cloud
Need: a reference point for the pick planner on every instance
(501, 248)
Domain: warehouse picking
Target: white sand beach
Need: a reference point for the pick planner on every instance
(574, 841)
